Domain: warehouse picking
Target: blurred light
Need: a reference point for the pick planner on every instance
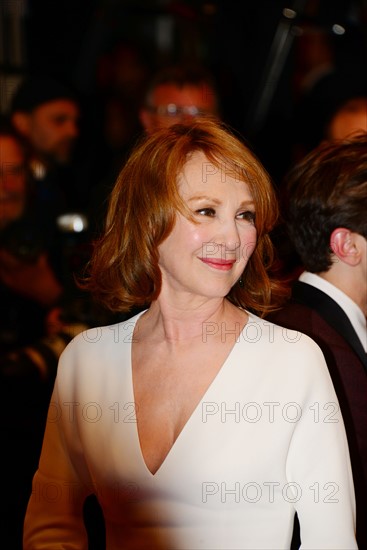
(72, 223)
(289, 14)
(338, 29)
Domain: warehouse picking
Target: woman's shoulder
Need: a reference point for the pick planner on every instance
(283, 345)
(287, 355)
(98, 345)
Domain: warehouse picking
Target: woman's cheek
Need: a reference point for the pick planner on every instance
(199, 237)
(249, 244)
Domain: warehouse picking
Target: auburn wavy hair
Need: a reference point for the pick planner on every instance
(123, 271)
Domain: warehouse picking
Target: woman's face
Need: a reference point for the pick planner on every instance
(208, 257)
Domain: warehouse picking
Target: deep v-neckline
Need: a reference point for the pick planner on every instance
(190, 419)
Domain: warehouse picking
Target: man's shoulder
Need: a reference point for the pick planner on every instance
(305, 311)
(295, 315)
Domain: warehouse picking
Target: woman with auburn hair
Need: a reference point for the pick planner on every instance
(197, 424)
(125, 268)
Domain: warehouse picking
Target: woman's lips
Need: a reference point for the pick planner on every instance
(222, 265)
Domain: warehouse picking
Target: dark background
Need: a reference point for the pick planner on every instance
(251, 47)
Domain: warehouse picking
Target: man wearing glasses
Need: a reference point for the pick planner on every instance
(176, 94)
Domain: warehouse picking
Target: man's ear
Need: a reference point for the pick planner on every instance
(21, 122)
(344, 244)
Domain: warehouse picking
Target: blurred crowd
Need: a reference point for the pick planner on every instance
(53, 198)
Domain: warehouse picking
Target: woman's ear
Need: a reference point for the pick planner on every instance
(345, 245)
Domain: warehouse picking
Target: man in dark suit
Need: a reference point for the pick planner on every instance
(325, 211)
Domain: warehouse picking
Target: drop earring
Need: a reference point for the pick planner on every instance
(241, 282)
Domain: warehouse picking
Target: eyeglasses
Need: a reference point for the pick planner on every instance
(173, 110)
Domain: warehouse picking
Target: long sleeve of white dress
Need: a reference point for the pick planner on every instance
(266, 440)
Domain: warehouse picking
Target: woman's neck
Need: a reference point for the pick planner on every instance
(182, 322)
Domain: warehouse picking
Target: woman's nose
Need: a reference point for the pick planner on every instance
(228, 236)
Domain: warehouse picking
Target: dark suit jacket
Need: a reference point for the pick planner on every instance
(314, 313)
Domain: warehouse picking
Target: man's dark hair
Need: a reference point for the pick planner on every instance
(326, 190)
(8, 130)
(181, 75)
(37, 90)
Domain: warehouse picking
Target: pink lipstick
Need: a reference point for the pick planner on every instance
(218, 263)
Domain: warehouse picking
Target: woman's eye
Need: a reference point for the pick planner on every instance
(247, 215)
(206, 212)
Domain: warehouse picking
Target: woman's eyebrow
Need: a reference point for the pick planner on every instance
(204, 198)
(212, 200)
(247, 203)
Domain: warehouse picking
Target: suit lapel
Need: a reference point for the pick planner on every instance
(331, 312)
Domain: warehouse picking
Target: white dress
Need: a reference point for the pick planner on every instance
(266, 439)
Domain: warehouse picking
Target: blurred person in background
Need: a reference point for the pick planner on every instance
(40, 314)
(348, 118)
(121, 79)
(46, 113)
(334, 109)
(178, 93)
(29, 283)
(29, 290)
